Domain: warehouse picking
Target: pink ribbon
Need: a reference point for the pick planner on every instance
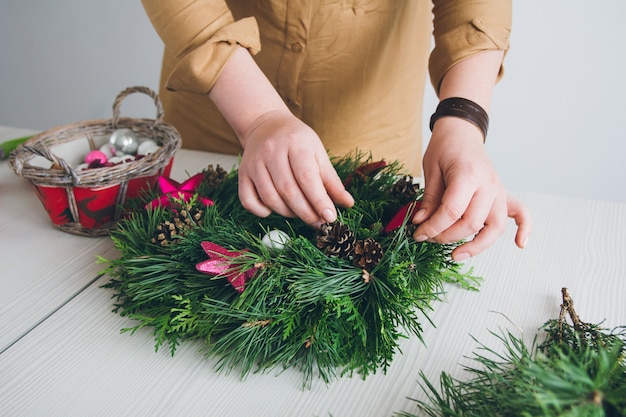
(220, 263)
(172, 189)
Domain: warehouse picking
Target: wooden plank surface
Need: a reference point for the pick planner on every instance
(41, 268)
(76, 362)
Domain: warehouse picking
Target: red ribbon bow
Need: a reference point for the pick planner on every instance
(172, 189)
(220, 263)
(365, 171)
(406, 211)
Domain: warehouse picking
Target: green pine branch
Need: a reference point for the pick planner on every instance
(580, 370)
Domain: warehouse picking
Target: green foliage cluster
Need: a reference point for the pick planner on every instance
(579, 370)
(302, 308)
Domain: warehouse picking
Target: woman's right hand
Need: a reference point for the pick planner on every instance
(285, 169)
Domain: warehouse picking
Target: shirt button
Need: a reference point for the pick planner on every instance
(296, 47)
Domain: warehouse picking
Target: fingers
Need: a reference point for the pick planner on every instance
(294, 185)
(494, 227)
(264, 189)
(487, 235)
(299, 184)
(333, 185)
(262, 199)
(521, 215)
(461, 212)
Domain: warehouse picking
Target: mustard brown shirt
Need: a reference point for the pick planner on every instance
(353, 70)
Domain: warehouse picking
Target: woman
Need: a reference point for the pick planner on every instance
(287, 82)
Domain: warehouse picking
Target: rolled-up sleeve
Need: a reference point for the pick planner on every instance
(465, 28)
(202, 35)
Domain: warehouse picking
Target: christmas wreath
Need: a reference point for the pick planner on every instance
(272, 292)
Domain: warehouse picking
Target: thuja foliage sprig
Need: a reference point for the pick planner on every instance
(580, 370)
(323, 314)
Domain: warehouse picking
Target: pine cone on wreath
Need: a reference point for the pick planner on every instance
(188, 217)
(404, 189)
(165, 233)
(367, 253)
(335, 239)
(410, 229)
(213, 177)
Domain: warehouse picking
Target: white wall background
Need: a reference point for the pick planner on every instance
(558, 118)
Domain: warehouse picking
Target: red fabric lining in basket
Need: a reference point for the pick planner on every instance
(95, 206)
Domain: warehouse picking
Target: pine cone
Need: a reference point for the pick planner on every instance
(410, 230)
(214, 177)
(404, 189)
(367, 253)
(188, 217)
(165, 233)
(335, 239)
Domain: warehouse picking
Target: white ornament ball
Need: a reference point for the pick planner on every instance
(106, 149)
(147, 147)
(276, 239)
(116, 160)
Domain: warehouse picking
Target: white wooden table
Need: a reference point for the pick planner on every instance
(62, 353)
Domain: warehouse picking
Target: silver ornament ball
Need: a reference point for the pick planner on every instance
(124, 140)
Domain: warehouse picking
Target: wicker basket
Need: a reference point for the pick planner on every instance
(89, 202)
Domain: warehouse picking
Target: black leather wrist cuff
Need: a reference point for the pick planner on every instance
(464, 109)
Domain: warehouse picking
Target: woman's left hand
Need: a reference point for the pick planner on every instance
(463, 195)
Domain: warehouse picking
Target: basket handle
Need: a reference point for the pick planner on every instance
(138, 89)
(19, 156)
